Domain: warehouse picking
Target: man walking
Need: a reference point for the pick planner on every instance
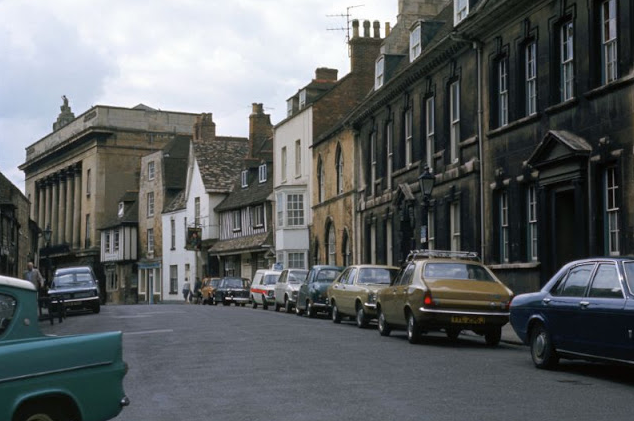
(34, 276)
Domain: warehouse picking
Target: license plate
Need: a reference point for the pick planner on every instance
(468, 320)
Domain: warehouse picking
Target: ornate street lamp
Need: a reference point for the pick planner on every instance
(426, 183)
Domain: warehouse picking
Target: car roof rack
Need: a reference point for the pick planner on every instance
(442, 254)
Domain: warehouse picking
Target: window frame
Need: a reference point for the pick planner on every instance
(298, 158)
(503, 92)
(244, 177)
(262, 173)
(612, 211)
(609, 65)
(461, 11)
(151, 173)
(530, 77)
(284, 158)
(389, 140)
(430, 130)
(566, 47)
(455, 226)
(295, 214)
(531, 223)
(236, 220)
(339, 169)
(373, 162)
(150, 204)
(408, 121)
(150, 240)
(505, 247)
(415, 43)
(454, 121)
(379, 72)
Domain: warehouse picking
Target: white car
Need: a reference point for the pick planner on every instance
(287, 288)
(263, 287)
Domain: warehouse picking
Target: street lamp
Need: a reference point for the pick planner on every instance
(47, 240)
(426, 183)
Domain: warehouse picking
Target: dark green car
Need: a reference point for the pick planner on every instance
(312, 293)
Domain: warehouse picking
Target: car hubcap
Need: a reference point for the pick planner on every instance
(540, 345)
(410, 327)
(360, 317)
(381, 322)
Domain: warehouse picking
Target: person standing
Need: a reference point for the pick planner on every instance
(33, 275)
(187, 289)
(197, 286)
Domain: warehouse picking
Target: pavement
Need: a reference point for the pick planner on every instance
(509, 335)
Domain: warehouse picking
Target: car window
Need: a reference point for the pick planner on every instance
(606, 282)
(344, 275)
(327, 275)
(283, 277)
(379, 276)
(351, 276)
(629, 275)
(233, 283)
(466, 271)
(7, 309)
(576, 281)
(270, 279)
(406, 277)
(297, 276)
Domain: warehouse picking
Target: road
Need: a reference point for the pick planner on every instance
(194, 362)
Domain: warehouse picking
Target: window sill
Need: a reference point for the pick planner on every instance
(514, 125)
(510, 266)
(562, 106)
(610, 87)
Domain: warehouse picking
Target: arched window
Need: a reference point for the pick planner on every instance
(316, 255)
(339, 169)
(320, 181)
(345, 248)
(332, 250)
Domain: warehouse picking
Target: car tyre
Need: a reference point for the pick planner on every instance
(361, 319)
(414, 331)
(43, 413)
(96, 308)
(226, 303)
(288, 307)
(542, 350)
(299, 311)
(310, 310)
(336, 316)
(384, 327)
(493, 336)
(277, 306)
(452, 333)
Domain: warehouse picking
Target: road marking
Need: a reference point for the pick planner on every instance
(147, 332)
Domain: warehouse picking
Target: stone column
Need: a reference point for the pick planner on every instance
(77, 209)
(47, 204)
(68, 234)
(62, 208)
(41, 187)
(55, 210)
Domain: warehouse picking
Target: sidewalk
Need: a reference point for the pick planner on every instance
(509, 335)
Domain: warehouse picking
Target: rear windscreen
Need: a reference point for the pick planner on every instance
(465, 271)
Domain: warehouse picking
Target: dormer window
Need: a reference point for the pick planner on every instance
(262, 171)
(289, 107)
(245, 178)
(378, 72)
(461, 10)
(121, 209)
(302, 98)
(415, 46)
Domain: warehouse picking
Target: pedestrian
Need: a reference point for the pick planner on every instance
(187, 289)
(33, 275)
(197, 285)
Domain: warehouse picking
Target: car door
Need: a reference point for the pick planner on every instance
(348, 294)
(603, 329)
(398, 296)
(337, 288)
(280, 287)
(561, 307)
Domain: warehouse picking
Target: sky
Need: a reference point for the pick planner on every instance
(215, 56)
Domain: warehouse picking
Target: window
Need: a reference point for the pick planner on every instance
(409, 117)
(345, 248)
(88, 229)
(373, 162)
(567, 67)
(302, 98)
(150, 170)
(455, 226)
(173, 279)
(120, 210)
(197, 211)
(116, 242)
(532, 222)
(454, 109)
(258, 216)
(111, 281)
(150, 240)
(321, 181)
(107, 243)
(279, 203)
(461, 10)
(289, 107)
(606, 283)
(296, 260)
(378, 72)
(295, 209)
(612, 210)
(430, 130)
(504, 227)
(283, 163)
(531, 77)
(244, 178)
(88, 182)
(503, 94)
(339, 169)
(431, 231)
(150, 204)
(576, 282)
(389, 140)
(236, 216)
(608, 41)
(414, 43)
(262, 173)
(298, 158)
(172, 234)
(332, 250)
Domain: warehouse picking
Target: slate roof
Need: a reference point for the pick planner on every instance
(242, 244)
(131, 215)
(255, 192)
(177, 203)
(175, 155)
(220, 162)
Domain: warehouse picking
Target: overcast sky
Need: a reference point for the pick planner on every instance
(217, 56)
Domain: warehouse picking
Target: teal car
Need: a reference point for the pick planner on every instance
(311, 297)
(54, 378)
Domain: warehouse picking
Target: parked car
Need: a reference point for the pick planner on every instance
(46, 377)
(311, 297)
(263, 287)
(445, 290)
(585, 311)
(287, 288)
(353, 293)
(232, 290)
(208, 288)
(76, 287)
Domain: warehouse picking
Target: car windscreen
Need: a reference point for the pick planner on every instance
(297, 277)
(629, 275)
(7, 309)
(327, 275)
(270, 279)
(233, 283)
(466, 271)
(376, 276)
(71, 280)
(214, 283)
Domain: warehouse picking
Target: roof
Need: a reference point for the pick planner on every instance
(254, 193)
(175, 155)
(177, 202)
(242, 244)
(130, 217)
(220, 162)
(17, 283)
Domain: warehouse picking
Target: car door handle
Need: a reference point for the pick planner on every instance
(584, 304)
(546, 301)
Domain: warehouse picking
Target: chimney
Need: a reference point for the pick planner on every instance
(355, 28)
(260, 129)
(377, 29)
(324, 74)
(204, 128)
(366, 28)
(364, 50)
(387, 29)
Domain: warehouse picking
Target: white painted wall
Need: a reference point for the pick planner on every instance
(178, 256)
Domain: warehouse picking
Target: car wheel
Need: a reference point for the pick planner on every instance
(310, 310)
(253, 303)
(299, 311)
(413, 329)
(542, 349)
(40, 413)
(241, 304)
(288, 307)
(452, 333)
(277, 306)
(226, 303)
(336, 316)
(96, 308)
(384, 327)
(362, 321)
(493, 336)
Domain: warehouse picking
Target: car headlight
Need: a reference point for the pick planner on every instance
(372, 298)
(271, 294)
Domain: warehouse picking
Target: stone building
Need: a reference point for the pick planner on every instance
(76, 175)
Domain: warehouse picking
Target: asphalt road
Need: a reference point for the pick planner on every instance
(190, 362)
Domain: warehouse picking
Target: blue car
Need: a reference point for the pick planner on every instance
(585, 311)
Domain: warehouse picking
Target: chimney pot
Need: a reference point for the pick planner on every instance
(257, 108)
(366, 28)
(324, 73)
(387, 29)
(355, 28)
(377, 29)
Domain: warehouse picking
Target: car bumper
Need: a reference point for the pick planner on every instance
(461, 319)
(239, 300)
(74, 302)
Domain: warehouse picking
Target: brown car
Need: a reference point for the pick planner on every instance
(353, 293)
(443, 290)
(208, 288)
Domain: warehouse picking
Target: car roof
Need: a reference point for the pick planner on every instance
(269, 271)
(372, 267)
(16, 283)
(73, 269)
(321, 267)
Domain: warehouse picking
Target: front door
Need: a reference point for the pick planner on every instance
(564, 227)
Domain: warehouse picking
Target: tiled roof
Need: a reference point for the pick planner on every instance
(177, 203)
(175, 155)
(130, 217)
(255, 192)
(242, 244)
(220, 162)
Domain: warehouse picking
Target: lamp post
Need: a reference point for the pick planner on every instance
(426, 183)
(47, 240)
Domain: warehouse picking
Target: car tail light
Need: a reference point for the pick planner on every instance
(427, 300)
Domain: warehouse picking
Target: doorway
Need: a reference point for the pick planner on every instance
(564, 227)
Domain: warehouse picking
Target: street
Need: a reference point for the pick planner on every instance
(194, 362)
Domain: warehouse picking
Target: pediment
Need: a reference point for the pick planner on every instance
(557, 146)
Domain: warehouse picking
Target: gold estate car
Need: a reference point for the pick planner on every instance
(208, 288)
(353, 293)
(445, 290)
